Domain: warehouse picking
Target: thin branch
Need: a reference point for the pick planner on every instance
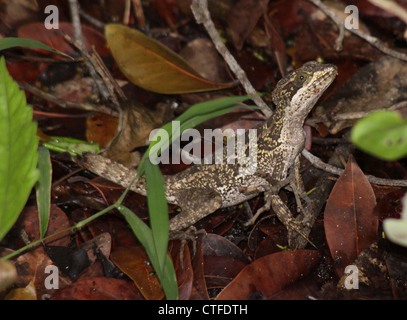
(78, 42)
(202, 16)
(368, 38)
(64, 103)
(318, 163)
(95, 22)
(352, 115)
(138, 10)
(76, 22)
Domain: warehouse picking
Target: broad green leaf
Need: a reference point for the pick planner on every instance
(158, 209)
(18, 150)
(144, 234)
(43, 189)
(152, 66)
(382, 134)
(7, 43)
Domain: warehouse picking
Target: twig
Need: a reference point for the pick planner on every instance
(126, 13)
(110, 83)
(368, 38)
(138, 9)
(80, 45)
(202, 16)
(328, 141)
(318, 163)
(352, 115)
(339, 40)
(95, 22)
(392, 7)
(76, 22)
(64, 103)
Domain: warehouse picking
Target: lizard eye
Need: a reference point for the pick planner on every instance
(301, 77)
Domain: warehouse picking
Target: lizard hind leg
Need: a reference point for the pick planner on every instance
(195, 205)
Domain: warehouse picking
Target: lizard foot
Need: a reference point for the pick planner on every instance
(265, 207)
(296, 229)
(191, 234)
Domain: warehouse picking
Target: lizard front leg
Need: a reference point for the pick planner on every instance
(294, 226)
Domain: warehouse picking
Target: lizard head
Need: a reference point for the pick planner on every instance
(298, 92)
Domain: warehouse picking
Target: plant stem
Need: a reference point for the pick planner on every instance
(71, 229)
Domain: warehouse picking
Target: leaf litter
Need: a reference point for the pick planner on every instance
(223, 266)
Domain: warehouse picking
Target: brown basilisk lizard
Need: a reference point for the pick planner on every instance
(202, 189)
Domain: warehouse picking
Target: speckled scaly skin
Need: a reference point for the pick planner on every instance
(202, 189)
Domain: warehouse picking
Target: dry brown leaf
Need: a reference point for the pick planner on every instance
(152, 66)
(270, 275)
(133, 261)
(26, 293)
(349, 220)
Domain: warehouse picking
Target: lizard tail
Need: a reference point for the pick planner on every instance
(113, 171)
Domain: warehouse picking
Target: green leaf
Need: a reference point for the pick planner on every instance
(7, 43)
(144, 234)
(74, 146)
(18, 150)
(43, 189)
(383, 134)
(158, 209)
(152, 66)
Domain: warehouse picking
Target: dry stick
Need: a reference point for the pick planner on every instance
(64, 103)
(76, 22)
(95, 22)
(202, 16)
(126, 13)
(79, 43)
(370, 39)
(138, 9)
(110, 83)
(352, 115)
(318, 163)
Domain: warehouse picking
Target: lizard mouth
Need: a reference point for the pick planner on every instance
(324, 80)
(320, 82)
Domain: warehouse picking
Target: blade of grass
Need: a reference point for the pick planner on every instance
(158, 209)
(144, 234)
(11, 42)
(43, 189)
(195, 115)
